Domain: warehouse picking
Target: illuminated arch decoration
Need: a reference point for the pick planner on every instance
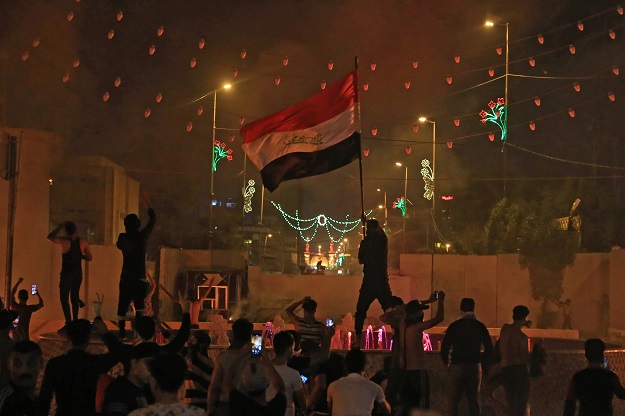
(220, 152)
(428, 178)
(248, 193)
(400, 204)
(497, 114)
(321, 220)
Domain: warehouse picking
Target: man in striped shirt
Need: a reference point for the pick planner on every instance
(308, 327)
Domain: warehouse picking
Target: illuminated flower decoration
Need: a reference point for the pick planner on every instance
(400, 204)
(220, 152)
(428, 179)
(498, 115)
(248, 193)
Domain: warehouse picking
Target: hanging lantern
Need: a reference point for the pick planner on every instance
(373, 66)
(277, 80)
(235, 72)
(374, 131)
(491, 136)
(615, 70)
(457, 58)
(407, 84)
(285, 61)
(449, 79)
(201, 43)
(541, 39)
(200, 110)
(24, 56)
(415, 64)
(117, 82)
(65, 77)
(491, 72)
(111, 34)
(76, 63)
(571, 112)
(242, 120)
(457, 121)
(532, 62)
(415, 128)
(159, 31)
(70, 16)
(450, 144)
(537, 101)
(408, 150)
(580, 25)
(323, 84)
(577, 87)
(612, 34)
(231, 137)
(120, 16)
(611, 96)
(158, 98)
(619, 9)
(189, 126)
(36, 43)
(365, 86)
(147, 112)
(243, 54)
(193, 62)
(365, 152)
(499, 50)
(572, 49)
(532, 125)
(105, 96)
(330, 65)
(152, 50)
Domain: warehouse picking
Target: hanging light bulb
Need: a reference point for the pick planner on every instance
(615, 70)
(619, 9)
(457, 121)
(373, 66)
(330, 65)
(611, 96)
(242, 120)
(76, 63)
(323, 84)
(532, 62)
(449, 79)
(231, 137)
(193, 62)
(70, 16)
(159, 31)
(111, 34)
(365, 86)
(572, 49)
(491, 136)
(243, 54)
(189, 126)
(277, 80)
(147, 112)
(532, 125)
(580, 25)
(36, 42)
(541, 39)
(158, 98)
(200, 110)
(415, 128)
(105, 96)
(201, 43)
(612, 34)
(537, 101)
(117, 82)
(407, 84)
(24, 56)
(65, 77)
(365, 152)
(285, 61)
(577, 87)
(120, 16)
(499, 50)
(450, 144)
(457, 58)
(408, 150)
(491, 72)
(374, 131)
(415, 64)
(235, 72)
(152, 50)
(571, 112)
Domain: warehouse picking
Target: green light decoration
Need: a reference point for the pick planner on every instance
(340, 260)
(497, 114)
(428, 178)
(301, 224)
(248, 193)
(219, 153)
(400, 204)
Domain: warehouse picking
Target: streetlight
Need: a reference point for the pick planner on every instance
(405, 200)
(489, 23)
(266, 237)
(385, 209)
(212, 189)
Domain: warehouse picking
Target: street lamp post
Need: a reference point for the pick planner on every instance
(212, 184)
(405, 200)
(385, 209)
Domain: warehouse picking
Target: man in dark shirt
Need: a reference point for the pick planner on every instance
(133, 284)
(73, 377)
(595, 386)
(18, 396)
(25, 311)
(373, 255)
(466, 336)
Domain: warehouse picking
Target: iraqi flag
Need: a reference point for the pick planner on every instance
(315, 136)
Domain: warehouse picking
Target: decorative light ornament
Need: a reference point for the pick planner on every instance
(532, 126)
(415, 64)
(499, 50)
(120, 16)
(200, 110)
(577, 87)
(615, 70)
(374, 131)
(201, 43)
(220, 152)
(611, 96)
(537, 101)
(491, 72)
(65, 77)
(407, 84)
(415, 128)
(572, 49)
(70, 16)
(152, 49)
(117, 82)
(159, 31)
(532, 62)
(105, 96)
(428, 177)
(248, 193)
(111, 34)
(400, 204)
(189, 126)
(285, 61)
(365, 86)
(612, 34)
(330, 65)
(571, 112)
(158, 98)
(24, 56)
(619, 9)
(498, 115)
(365, 152)
(408, 150)
(76, 63)
(243, 54)
(450, 144)
(457, 58)
(277, 80)
(457, 121)
(235, 72)
(323, 84)
(580, 26)
(541, 39)
(147, 112)
(242, 120)
(491, 136)
(449, 79)
(36, 42)
(231, 137)
(193, 63)
(373, 66)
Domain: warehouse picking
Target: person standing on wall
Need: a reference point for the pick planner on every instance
(74, 252)
(133, 284)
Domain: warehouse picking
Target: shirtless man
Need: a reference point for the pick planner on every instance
(514, 361)
(409, 369)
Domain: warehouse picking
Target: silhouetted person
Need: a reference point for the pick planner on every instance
(19, 397)
(514, 361)
(466, 337)
(566, 313)
(74, 252)
(372, 254)
(24, 310)
(133, 284)
(595, 386)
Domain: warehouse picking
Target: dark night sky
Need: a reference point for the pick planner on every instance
(392, 33)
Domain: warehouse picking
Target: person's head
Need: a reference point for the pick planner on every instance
(25, 362)
(395, 301)
(22, 295)
(283, 344)
(297, 338)
(79, 332)
(594, 348)
(145, 327)
(520, 313)
(201, 342)
(355, 361)
(373, 226)
(167, 371)
(414, 311)
(467, 305)
(242, 331)
(140, 356)
(6, 319)
(310, 307)
(70, 228)
(132, 223)
(253, 378)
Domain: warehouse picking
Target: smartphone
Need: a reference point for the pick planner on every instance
(16, 322)
(33, 290)
(330, 322)
(257, 344)
(605, 362)
(304, 378)
(436, 294)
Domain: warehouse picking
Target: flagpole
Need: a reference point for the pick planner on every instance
(362, 194)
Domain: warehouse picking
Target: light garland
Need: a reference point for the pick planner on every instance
(219, 153)
(400, 204)
(248, 193)
(321, 220)
(498, 114)
(428, 178)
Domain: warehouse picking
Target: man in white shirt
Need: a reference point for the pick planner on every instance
(283, 343)
(354, 395)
